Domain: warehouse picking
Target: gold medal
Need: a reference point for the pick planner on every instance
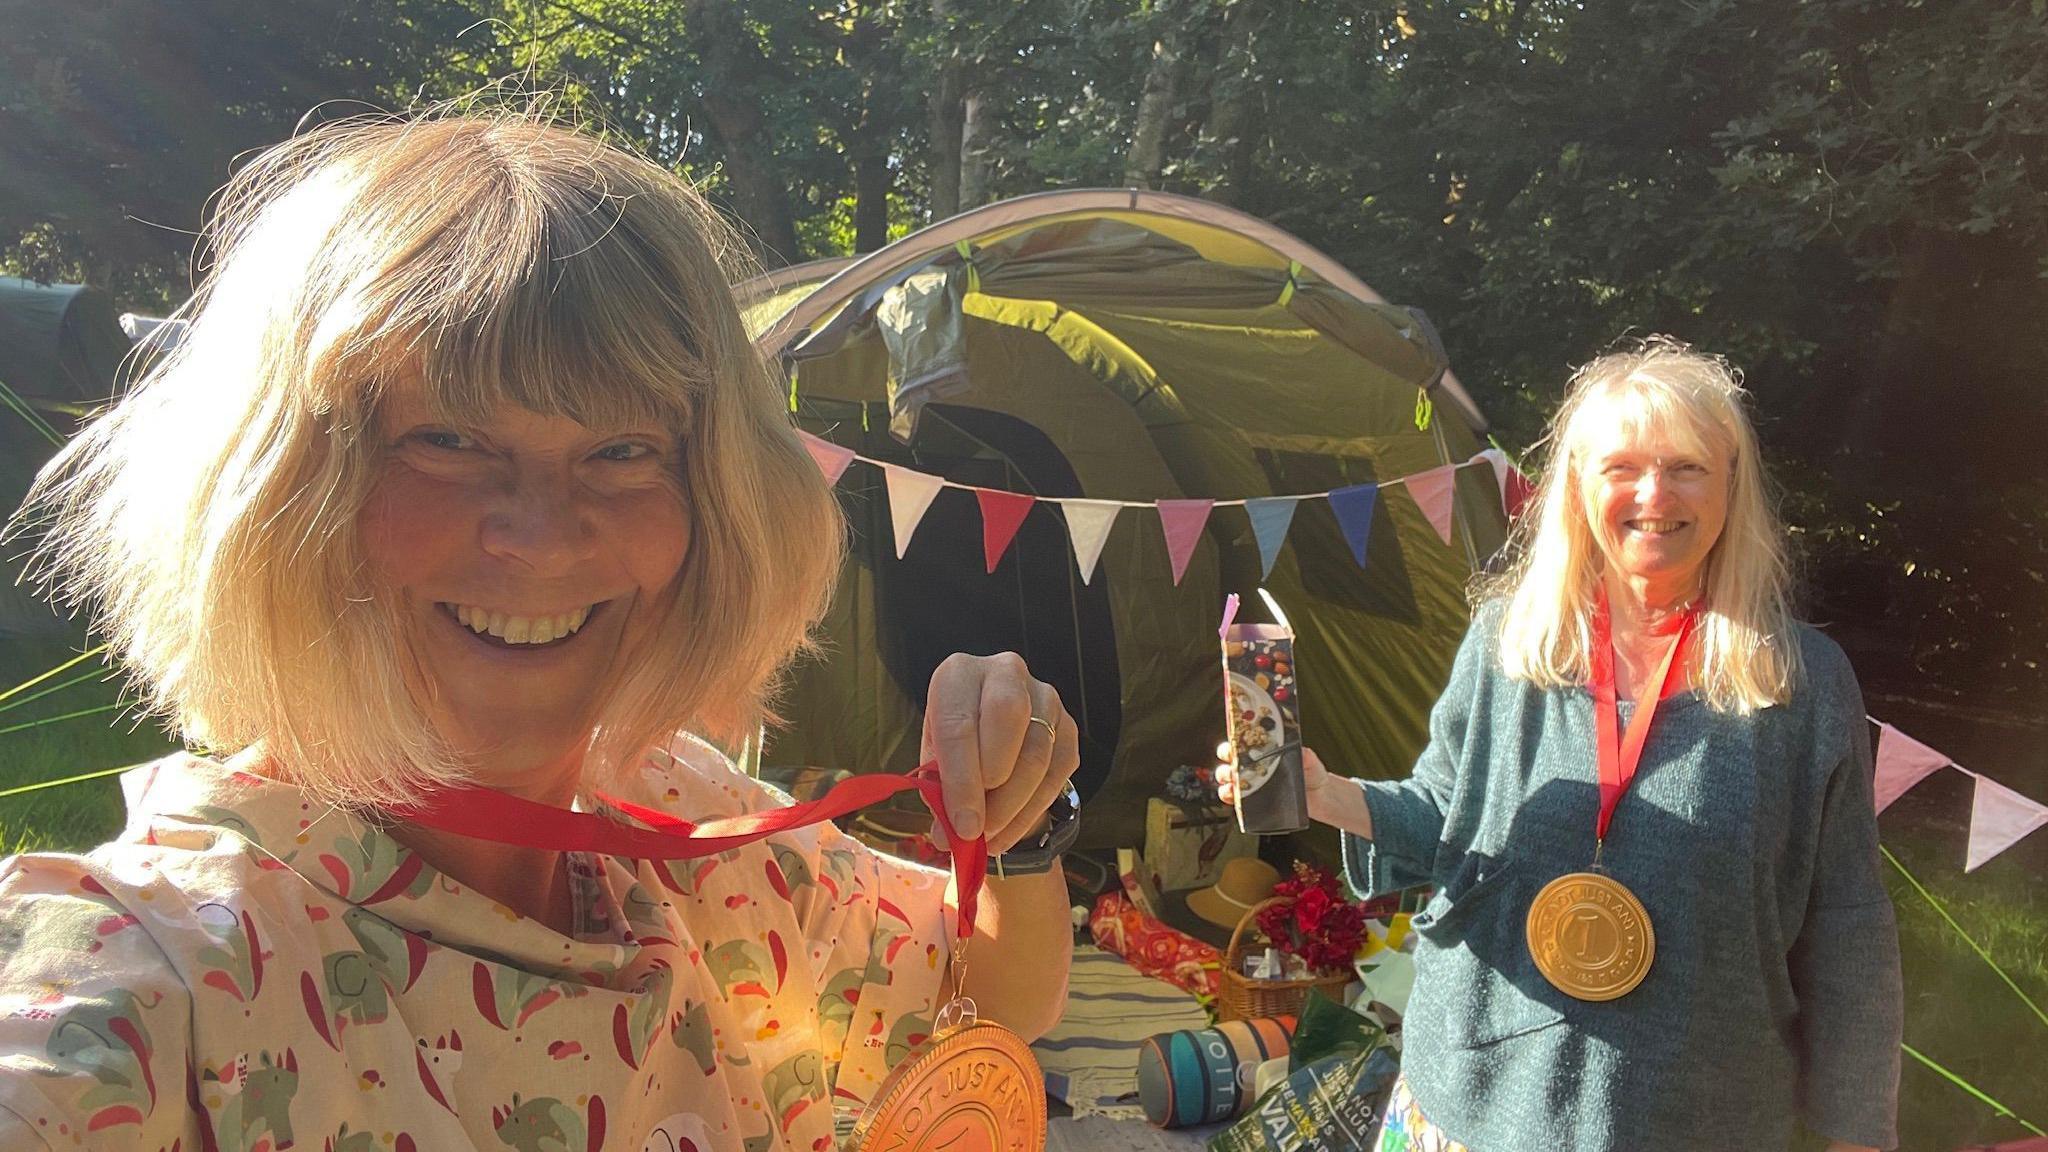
(1590, 936)
(973, 1087)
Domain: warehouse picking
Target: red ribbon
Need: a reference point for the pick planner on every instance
(1620, 754)
(484, 814)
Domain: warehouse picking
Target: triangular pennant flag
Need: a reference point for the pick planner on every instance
(1499, 461)
(1515, 488)
(1353, 506)
(831, 458)
(1088, 524)
(1432, 493)
(1999, 818)
(1182, 522)
(1519, 491)
(1270, 518)
(910, 494)
(1001, 515)
(1901, 763)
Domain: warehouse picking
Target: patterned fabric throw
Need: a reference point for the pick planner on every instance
(1091, 1056)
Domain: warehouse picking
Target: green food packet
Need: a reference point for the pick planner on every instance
(1327, 1028)
(1332, 1105)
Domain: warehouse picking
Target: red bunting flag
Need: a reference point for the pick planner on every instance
(1002, 513)
(1515, 488)
(1517, 493)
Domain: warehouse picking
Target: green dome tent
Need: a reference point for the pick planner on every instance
(59, 341)
(1134, 346)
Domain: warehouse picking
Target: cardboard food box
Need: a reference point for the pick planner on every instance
(1261, 700)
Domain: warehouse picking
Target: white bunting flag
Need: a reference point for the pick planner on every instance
(910, 495)
(1088, 525)
(1999, 818)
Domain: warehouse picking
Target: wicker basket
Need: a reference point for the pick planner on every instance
(1242, 998)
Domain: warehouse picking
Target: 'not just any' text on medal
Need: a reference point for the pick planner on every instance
(1590, 936)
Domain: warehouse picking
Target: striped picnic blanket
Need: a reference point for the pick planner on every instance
(1090, 1057)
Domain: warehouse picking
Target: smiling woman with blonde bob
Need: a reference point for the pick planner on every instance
(1668, 936)
(466, 476)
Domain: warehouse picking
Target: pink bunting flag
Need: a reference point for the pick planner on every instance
(910, 496)
(1999, 818)
(831, 458)
(1182, 522)
(1901, 763)
(1002, 513)
(1432, 493)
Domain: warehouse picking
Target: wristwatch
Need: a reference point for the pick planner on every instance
(1033, 857)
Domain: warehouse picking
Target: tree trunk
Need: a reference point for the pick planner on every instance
(1233, 110)
(948, 121)
(871, 181)
(1155, 104)
(974, 162)
(759, 194)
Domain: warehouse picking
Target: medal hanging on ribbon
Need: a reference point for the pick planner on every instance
(1590, 936)
(972, 1086)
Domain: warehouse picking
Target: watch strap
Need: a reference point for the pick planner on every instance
(1036, 857)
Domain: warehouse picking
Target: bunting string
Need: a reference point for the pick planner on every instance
(833, 459)
(1181, 521)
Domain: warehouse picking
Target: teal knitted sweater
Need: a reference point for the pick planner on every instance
(1752, 841)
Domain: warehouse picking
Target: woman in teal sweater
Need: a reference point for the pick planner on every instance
(1645, 810)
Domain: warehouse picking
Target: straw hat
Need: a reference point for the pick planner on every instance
(1245, 881)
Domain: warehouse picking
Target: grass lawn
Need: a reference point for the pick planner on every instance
(1958, 1012)
(77, 814)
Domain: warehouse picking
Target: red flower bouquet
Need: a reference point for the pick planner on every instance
(1315, 921)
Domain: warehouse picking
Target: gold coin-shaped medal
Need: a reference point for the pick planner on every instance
(1590, 936)
(972, 1088)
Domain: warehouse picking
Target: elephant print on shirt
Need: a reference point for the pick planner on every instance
(107, 1038)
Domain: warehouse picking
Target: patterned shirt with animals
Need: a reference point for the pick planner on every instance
(245, 970)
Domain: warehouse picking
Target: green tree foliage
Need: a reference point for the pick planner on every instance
(1844, 196)
(118, 118)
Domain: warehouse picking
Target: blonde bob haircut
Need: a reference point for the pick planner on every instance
(209, 518)
(1746, 656)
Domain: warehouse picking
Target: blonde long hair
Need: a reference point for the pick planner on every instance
(1746, 656)
(209, 518)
